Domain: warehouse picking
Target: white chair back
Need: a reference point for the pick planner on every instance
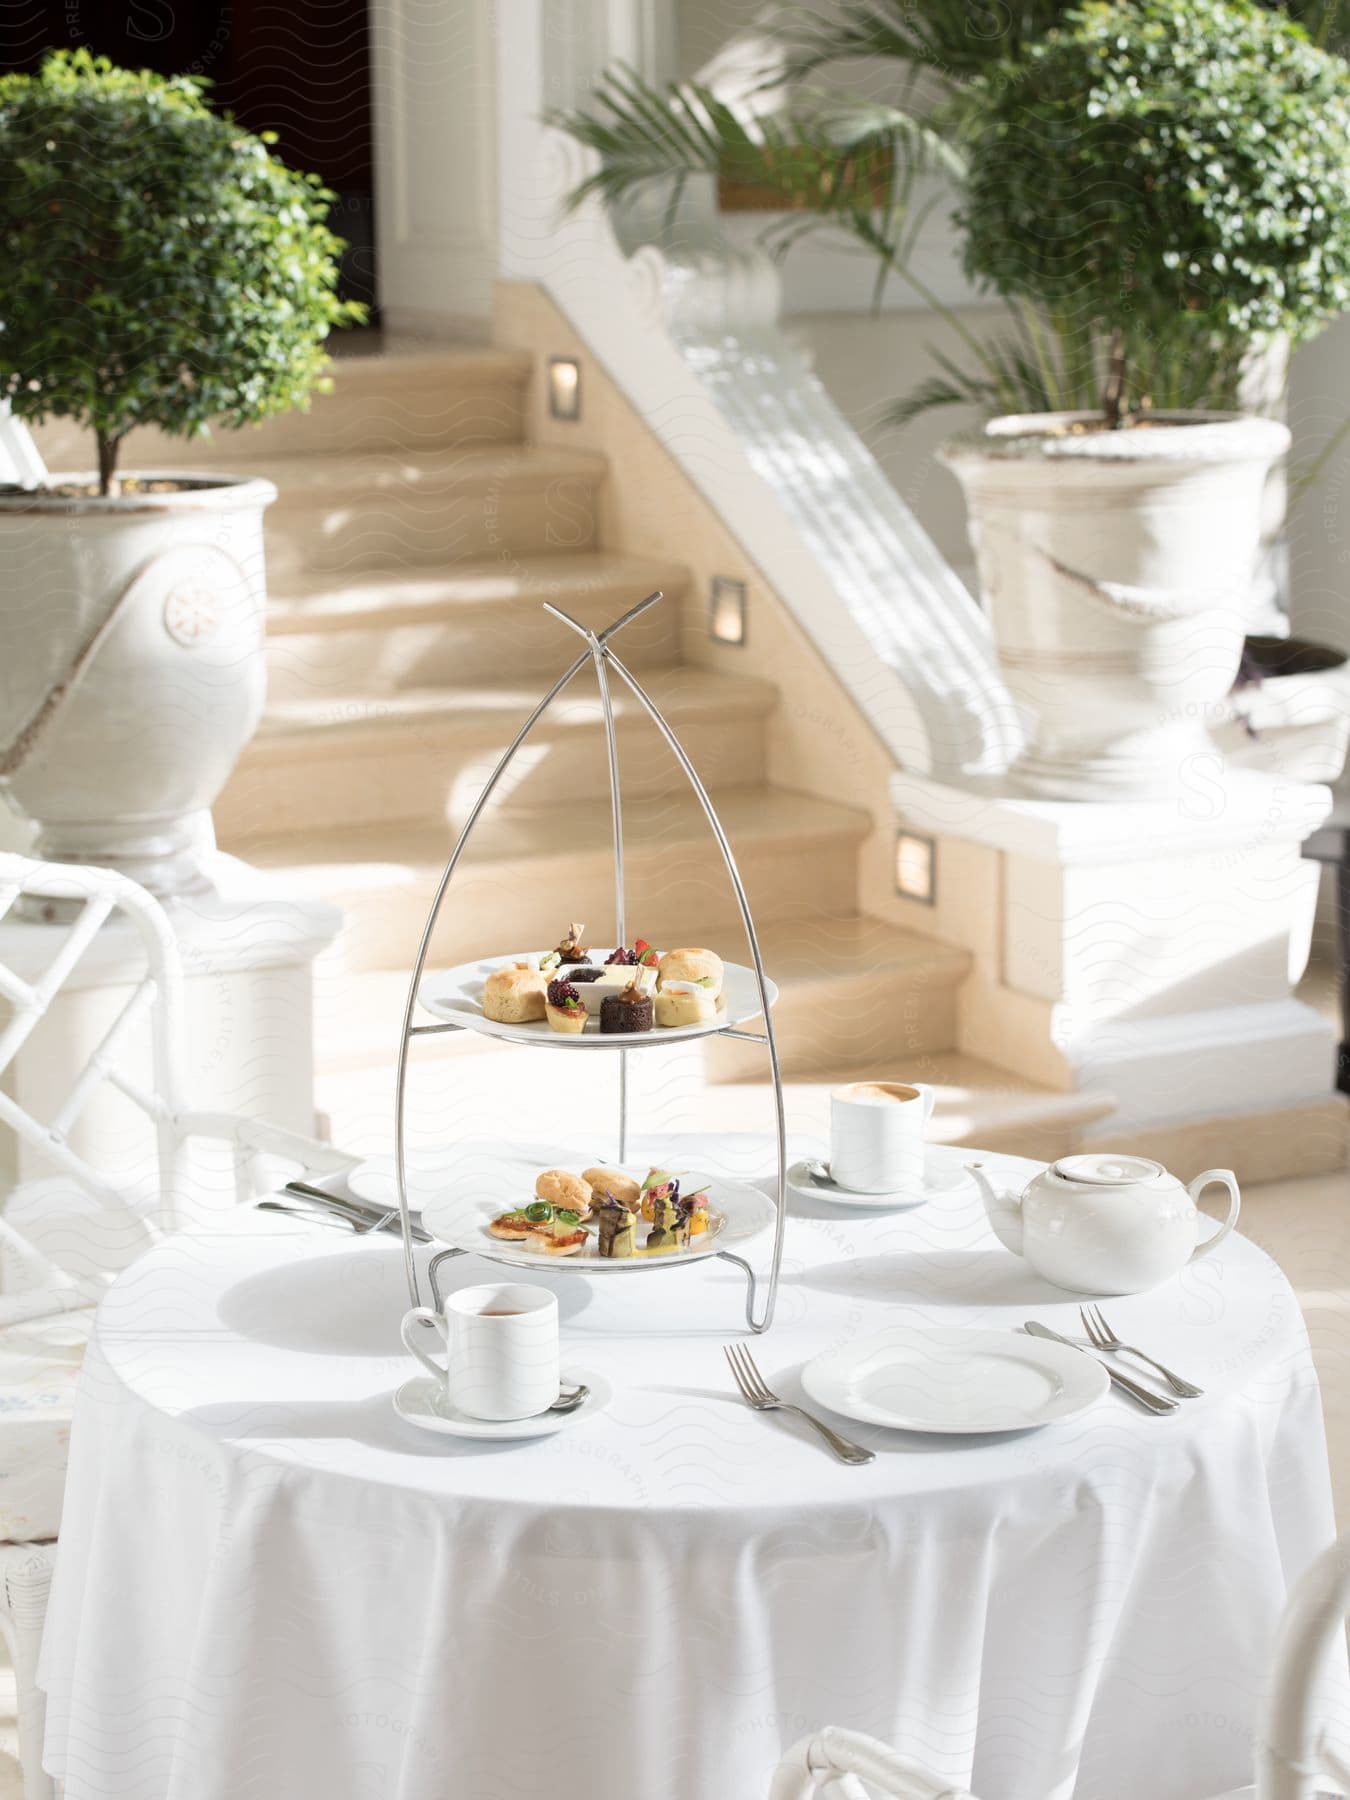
(54, 1253)
(1295, 1756)
(836, 1764)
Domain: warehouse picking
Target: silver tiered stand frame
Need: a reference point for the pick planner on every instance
(599, 655)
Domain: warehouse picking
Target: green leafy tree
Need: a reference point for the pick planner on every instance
(1236, 147)
(1168, 175)
(161, 266)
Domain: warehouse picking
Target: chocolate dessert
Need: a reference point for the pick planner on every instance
(571, 949)
(575, 975)
(630, 1011)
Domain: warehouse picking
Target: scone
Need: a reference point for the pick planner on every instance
(684, 1003)
(572, 1192)
(703, 967)
(625, 1188)
(514, 995)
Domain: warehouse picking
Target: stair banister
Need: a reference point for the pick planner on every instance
(691, 338)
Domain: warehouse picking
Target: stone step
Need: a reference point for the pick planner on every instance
(468, 622)
(403, 510)
(425, 753)
(854, 990)
(422, 400)
(528, 870)
(462, 1084)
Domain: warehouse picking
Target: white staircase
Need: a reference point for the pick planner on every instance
(416, 536)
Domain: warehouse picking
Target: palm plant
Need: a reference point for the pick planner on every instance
(961, 77)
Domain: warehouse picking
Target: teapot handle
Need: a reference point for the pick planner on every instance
(1229, 1180)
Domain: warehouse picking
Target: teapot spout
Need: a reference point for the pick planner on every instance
(1003, 1210)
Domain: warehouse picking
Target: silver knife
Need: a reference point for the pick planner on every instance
(355, 1212)
(1151, 1402)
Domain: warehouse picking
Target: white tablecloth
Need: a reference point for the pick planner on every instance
(269, 1587)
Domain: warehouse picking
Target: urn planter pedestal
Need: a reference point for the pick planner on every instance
(1117, 567)
(131, 666)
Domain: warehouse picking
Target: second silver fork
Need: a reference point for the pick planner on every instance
(756, 1393)
(1101, 1337)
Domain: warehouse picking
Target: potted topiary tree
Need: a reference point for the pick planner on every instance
(162, 269)
(1160, 178)
(1156, 190)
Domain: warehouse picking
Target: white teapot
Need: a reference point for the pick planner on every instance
(1106, 1224)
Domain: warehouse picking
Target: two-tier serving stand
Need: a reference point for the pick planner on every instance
(598, 654)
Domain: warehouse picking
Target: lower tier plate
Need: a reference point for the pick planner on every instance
(459, 1189)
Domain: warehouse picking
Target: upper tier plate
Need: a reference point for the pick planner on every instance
(456, 995)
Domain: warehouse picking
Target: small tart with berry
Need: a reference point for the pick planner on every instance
(564, 1009)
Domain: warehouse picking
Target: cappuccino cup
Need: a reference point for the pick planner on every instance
(501, 1342)
(877, 1135)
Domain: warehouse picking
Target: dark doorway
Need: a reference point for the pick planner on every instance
(300, 68)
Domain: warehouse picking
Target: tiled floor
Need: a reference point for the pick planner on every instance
(1304, 1225)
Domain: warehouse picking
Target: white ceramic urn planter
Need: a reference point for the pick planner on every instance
(131, 667)
(1117, 570)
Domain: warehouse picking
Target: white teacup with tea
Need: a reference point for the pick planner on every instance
(877, 1135)
(501, 1343)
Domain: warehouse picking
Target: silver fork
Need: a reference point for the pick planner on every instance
(757, 1394)
(1102, 1337)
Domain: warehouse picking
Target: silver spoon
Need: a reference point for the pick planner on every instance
(569, 1400)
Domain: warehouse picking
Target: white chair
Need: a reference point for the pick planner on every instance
(1294, 1759)
(65, 1234)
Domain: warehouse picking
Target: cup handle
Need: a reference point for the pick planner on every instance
(929, 1096)
(419, 1316)
(1229, 1180)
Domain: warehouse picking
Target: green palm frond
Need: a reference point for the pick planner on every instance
(952, 39)
(836, 163)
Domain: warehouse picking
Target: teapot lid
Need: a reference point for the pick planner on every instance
(1108, 1170)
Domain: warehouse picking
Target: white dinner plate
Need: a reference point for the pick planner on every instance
(460, 1187)
(422, 1402)
(456, 996)
(940, 1178)
(948, 1379)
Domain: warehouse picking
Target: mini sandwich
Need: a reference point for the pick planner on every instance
(565, 1191)
(514, 995)
(701, 967)
(623, 1188)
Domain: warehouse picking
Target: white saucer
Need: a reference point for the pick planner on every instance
(940, 1178)
(421, 1402)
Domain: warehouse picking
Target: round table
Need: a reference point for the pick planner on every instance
(269, 1584)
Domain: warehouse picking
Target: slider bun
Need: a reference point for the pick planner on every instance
(691, 965)
(624, 1188)
(561, 1189)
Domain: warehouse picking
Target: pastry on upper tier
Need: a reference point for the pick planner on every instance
(514, 995)
(684, 1003)
(565, 1009)
(626, 1012)
(570, 948)
(701, 966)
